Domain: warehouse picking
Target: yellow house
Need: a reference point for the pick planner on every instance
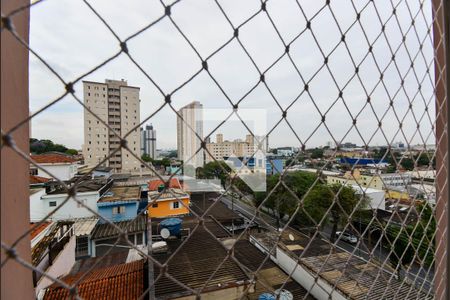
(173, 202)
(365, 180)
(384, 181)
(397, 194)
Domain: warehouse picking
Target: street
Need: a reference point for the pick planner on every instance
(421, 277)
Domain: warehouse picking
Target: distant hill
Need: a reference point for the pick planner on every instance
(43, 146)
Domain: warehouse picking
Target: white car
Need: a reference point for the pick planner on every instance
(347, 237)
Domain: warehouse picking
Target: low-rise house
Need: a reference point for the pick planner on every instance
(375, 197)
(119, 203)
(88, 192)
(171, 202)
(59, 166)
(38, 181)
(201, 202)
(376, 181)
(119, 281)
(104, 236)
(156, 184)
(337, 274)
(83, 228)
(52, 252)
(202, 255)
(101, 171)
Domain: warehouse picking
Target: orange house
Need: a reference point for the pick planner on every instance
(153, 185)
(169, 203)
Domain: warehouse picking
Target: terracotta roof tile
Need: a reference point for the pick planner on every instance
(38, 229)
(38, 179)
(154, 184)
(52, 158)
(123, 281)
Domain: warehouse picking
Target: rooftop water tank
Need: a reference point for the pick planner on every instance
(266, 296)
(172, 224)
(284, 294)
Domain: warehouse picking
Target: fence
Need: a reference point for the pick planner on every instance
(399, 56)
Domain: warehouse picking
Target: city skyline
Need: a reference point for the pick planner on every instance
(233, 70)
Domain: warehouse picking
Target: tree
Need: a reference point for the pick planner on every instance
(407, 163)
(213, 170)
(321, 198)
(165, 162)
(42, 146)
(145, 157)
(402, 252)
(71, 152)
(282, 201)
(317, 153)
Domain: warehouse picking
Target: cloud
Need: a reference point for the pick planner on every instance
(73, 40)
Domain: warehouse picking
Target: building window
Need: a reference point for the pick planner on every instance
(33, 171)
(131, 239)
(52, 203)
(175, 205)
(118, 210)
(139, 239)
(82, 248)
(155, 205)
(82, 201)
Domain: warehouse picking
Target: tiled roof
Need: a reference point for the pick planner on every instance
(41, 227)
(106, 230)
(52, 158)
(200, 203)
(124, 281)
(101, 262)
(154, 184)
(38, 179)
(167, 195)
(199, 258)
(121, 193)
(87, 185)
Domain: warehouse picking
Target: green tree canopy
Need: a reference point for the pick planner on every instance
(338, 199)
(215, 169)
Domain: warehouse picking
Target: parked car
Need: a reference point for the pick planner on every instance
(347, 237)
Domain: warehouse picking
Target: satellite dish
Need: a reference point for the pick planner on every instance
(165, 233)
(291, 237)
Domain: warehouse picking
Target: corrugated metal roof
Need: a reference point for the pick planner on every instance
(84, 226)
(131, 226)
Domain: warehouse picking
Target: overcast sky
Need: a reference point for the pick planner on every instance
(73, 40)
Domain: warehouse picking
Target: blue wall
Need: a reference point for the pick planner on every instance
(277, 163)
(277, 166)
(106, 209)
(360, 161)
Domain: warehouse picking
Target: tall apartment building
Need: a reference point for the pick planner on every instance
(148, 141)
(187, 141)
(117, 104)
(239, 148)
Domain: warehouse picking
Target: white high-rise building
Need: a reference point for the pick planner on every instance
(187, 130)
(148, 141)
(117, 104)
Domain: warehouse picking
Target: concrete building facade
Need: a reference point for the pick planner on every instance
(189, 125)
(148, 141)
(223, 148)
(375, 181)
(117, 104)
